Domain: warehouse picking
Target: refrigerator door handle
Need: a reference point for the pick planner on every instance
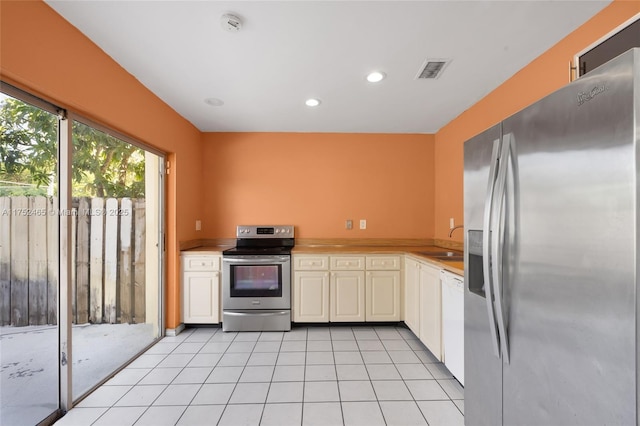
(497, 243)
(486, 247)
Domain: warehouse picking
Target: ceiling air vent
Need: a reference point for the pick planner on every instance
(432, 68)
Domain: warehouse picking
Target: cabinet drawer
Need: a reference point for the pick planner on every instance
(201, 263)
(383, 263)
(311, 263)
(347, 263)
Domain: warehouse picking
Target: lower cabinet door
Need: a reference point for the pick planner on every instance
(383, 296)
(431, 310)
(201, 297)
(311, 296)
(347, 296)
(412, 295)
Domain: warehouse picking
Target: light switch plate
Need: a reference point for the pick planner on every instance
(363, 223)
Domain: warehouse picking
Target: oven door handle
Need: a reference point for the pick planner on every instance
(256, 259)
(255, 313)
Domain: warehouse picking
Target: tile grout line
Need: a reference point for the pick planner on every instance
(237, 381)
(411, 393)
(304, 374)
(167, 386)
(203, 381)
(402, 378)
(384, 419)
(136, 384)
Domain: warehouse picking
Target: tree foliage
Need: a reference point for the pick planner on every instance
(28, 152)
(103, 165)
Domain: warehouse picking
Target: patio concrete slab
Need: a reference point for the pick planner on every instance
(29, 364)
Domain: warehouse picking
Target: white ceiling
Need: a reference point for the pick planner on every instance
(288, 51)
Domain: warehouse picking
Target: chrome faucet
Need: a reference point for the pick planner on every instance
(454, 228)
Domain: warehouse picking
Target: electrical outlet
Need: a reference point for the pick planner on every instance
(198, 225)
(452, 223)
(363, 223)
(349, 224)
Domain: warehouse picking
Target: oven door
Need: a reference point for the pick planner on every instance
(256, 282)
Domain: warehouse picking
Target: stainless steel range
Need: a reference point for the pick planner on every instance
(256, 279)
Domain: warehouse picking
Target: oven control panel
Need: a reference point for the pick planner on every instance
(264, 231)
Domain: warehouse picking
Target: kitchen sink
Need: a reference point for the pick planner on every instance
(456, 258)
(451, 256)
(441, 253)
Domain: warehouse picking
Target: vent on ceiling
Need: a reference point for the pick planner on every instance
(432, 68)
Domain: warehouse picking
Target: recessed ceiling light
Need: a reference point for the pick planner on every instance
(312, 102)
(375, 76)
(214, 102)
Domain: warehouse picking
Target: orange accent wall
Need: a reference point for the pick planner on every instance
(43, 54)
(316, 181)
(547, 73)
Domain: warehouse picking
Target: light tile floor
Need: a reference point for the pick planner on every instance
(327, 376)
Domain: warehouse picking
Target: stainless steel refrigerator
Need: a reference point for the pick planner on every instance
(551, 257)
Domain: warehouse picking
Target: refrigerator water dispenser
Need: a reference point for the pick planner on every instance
(475, 273)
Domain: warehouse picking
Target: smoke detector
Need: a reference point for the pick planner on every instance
(230, 22)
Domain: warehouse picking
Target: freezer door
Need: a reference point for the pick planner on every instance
(483, 370)
(570, 268)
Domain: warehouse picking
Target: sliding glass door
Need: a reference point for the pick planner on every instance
(80, 255)
(29, 390)
(115, 197)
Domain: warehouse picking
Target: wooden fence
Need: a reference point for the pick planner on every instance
(107, 254)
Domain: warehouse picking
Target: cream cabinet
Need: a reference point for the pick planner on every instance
(310, 288)
(423, 303)
(412, 295)
(310, 263)
(431, 309)
(383, 296)
(347, 289)
(383, 288)
(383, 263)
(311, 296)
(347, 263)
(200, 288)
